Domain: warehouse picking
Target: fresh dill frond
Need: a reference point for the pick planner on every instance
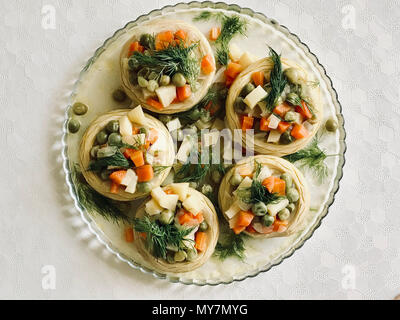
(233, 246)
(160, 236)
(171, 60)
(230, 27)
(312, 158)
(278, 80)
(192, 172)
(93, 201)
(257, 168)
(257, 193)
(117, 160)
(159, 169)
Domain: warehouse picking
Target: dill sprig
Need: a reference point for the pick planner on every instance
(117, 160)
(93, 201)
(313, 158)
(160, 236)
(231, 26)
(171, 60)
(257, 193)
(278, 80)
(232, 246)
(192, 172)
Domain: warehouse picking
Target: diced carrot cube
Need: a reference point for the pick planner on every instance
(129, 237)
(214, 33)
(282, 109)
(299, 131)
(283, 126)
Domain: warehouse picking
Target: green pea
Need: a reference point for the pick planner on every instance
(165, 118)
(105, 175)
(203, 226)
(267, 220)
(193, 185)
(331, 125)
(195, 114)
(239, 105)
(216, 176)
(286, 138)
(79, 108)
(114, 139)
(288, 179)
(291, 207)
(166, 217)
(206, 189)
(112, 126)
(259, 209)
(195, 86)
(248, 88)
(180, 256)
(119, 95)
(102, 137)
(165, 80)
(191, 255)
(93, 152)
(106, 152)
(144, 187)
(170, 257)
(178, 79)
(133, 78)
(143, 130)
(146, 40)
(133, 64)
(236, 179)
(152, 85)
(290, 116)
(73, 125)
(293, 195)
(284, 214)
(143, 83)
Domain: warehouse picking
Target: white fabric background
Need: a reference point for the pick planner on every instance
(39, 225)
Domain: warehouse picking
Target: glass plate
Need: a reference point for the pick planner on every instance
(293, 44)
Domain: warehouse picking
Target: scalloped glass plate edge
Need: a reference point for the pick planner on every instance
(342, 136)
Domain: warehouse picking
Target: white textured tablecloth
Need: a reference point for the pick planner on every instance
(354, 254)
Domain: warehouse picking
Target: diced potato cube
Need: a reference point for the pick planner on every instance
(129, 176)
(233, 210)
(181, 189)
(255, 96)
(235, 52)
(274, 208)
(166, 94)
(247, 59)
(191, 204)
(274, 136)
(273, 121)
(173, 125)
(136, 115)
(152, 208)
(131, 187)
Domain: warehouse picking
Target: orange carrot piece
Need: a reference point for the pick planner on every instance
(164, 39)
(275, 185)
(137, 158)
(180, 35)
(247, 122)
(264, 122)
(153, 136)
(118, 176)
(135, 130)
(154, 103)
(145, 173)
(283, 126)
(280, 226)
(183, 92)
(305, 111)
(129, 237)
(299, 131)
(251, 229)
(114, 187)
(214, 33)
(229, 81)
(233, 69)
(201, 241)
(244, 219)
(143, 235)
(238, 230)
(269, 183)
(258, 78)
(207, 64)
(199, 217)
(282, 109)
(245, 171)
(279, 187)
(135, 46)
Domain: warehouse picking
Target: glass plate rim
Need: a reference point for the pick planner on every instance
(314, 59)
